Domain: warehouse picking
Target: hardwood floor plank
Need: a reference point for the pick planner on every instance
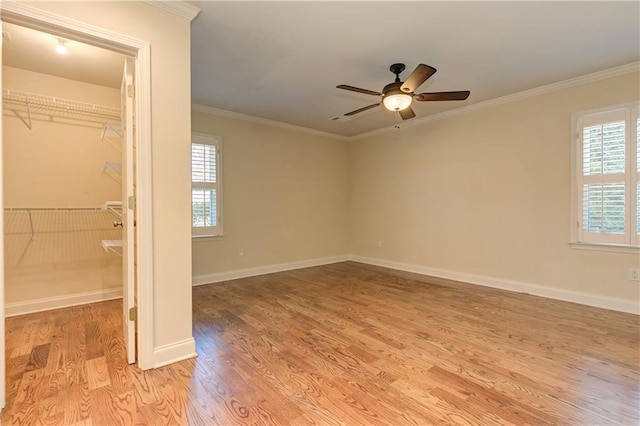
(93, 340)
(97, 373)
(107, 409)
(77, 407)
(38, 357)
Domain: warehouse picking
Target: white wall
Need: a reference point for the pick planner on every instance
(487, 194)
(285, 197)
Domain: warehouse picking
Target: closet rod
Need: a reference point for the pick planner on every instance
(54, 209)
(60, 105)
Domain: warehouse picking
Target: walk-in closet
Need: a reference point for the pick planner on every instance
(62, 149)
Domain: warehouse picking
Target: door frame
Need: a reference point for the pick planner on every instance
(27, 16)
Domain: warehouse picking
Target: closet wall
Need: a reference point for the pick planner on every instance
(53, 192)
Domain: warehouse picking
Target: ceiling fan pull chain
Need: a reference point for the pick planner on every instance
(398, 120)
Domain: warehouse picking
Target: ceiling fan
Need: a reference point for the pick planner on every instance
(397, 96)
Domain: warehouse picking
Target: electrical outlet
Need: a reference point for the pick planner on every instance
(241, 252)
(380, 244)
(634, 274)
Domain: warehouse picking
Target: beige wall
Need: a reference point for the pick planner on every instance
(486, 193)
(285, 197)
(169, 36)
(56, 164)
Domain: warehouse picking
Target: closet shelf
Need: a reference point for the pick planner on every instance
(113, 207)
(34, 103)
(114, 246)
(111, 131)
(113, 171)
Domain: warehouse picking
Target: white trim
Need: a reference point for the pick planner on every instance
(205, 238)
(22, 14)
(589, 299)
(144, 209)
(263, 121)
(267, 269)
(2, 275)
(585, 79)
(613, 248)
(579, 238)
(178, 8)
(174, 352)
(57, 302)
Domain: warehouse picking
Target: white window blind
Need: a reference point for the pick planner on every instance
(603, 208)
(606, 180)
(205, 185)
(604, 146)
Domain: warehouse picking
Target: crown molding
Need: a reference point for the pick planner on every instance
(263, 121)
(176, 7)
(572, 82)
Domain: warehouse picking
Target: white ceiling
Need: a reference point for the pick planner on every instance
(282, 60)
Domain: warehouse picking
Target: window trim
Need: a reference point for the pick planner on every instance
(630, 240)
(210, 232)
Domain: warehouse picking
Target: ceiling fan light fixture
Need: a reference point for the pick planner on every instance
(397, 101)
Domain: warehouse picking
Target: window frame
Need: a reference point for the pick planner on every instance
(630, 240)
(208, 231)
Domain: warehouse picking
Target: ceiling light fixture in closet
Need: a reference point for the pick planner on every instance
(61, 48)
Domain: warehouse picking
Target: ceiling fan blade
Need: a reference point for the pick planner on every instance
(362, 109)
(407, 113)
(443, 96)
(359, 90)
(417, 77)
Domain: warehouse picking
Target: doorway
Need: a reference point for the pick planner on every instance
(73, 30)
(68, 144)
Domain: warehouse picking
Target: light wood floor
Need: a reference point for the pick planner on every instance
(339, 344)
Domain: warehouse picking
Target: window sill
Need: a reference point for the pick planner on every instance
(206, 238)
(614, 248)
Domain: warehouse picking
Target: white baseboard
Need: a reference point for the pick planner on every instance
(46, 304)
(269, 269)
(589, 299)
(174, 352)
(582, 298)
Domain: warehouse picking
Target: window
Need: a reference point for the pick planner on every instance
(606, 177)
(206, 185)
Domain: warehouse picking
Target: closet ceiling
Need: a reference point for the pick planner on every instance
(282, 60)
(35, 51)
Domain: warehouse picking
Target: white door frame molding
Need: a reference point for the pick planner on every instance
(27, 16)
(2, 320)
